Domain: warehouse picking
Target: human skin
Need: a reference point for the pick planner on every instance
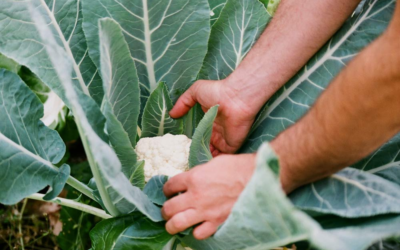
(340, 129)
(298, 30)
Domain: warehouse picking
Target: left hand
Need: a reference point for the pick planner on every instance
(209, 193)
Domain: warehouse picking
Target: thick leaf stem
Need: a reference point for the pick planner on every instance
(67, 48)
(20, 223)
(73, 204)
(84, 189)
(95, 171)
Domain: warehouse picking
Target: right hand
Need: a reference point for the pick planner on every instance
(235, 117)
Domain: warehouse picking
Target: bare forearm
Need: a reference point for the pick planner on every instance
(297, 32)
(358, 113)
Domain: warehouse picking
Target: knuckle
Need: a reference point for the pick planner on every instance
(197, 196)
(194, 88)
(179, 222)
(187, 99)
(166, 187)
(167, 209)
(169, 228)
(216, 216)
(194, 179)
(212, 215)
(198, 235)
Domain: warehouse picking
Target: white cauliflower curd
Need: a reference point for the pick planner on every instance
(165, 155)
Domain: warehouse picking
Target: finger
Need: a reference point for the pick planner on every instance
(176, 205)
(183, 221)
(220, 144)
(176, 185)
(184, 103)
(205, 230)
(215, 153)
(212, 148)
(205, 110)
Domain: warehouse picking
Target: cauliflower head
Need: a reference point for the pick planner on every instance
(165, 155)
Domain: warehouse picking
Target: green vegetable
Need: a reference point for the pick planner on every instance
(167, 39)
(147, 54)
(29, 149)
(232, 36)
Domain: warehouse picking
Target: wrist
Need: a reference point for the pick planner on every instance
(252, 87)
(250, 90)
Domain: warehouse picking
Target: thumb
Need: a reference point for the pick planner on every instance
(184, 103)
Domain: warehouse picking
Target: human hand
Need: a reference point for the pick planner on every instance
(209, 194)
(235, 115)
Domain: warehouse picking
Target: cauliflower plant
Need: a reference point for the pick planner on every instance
(164, 155)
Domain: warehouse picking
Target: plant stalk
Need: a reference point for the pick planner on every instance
(21, 214)
(95, 171)
(73, 204)
(84, 189)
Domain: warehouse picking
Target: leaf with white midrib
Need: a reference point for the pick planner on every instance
(216, 7)
(121, 104)
(232, 36)
(19, 40)
(156, 120)
(167, 39)
(130, 232)
(385, 158)
(28, 148)
(350, 193)
(117, 193)
(299, 94)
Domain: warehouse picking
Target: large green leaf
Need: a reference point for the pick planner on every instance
(167, 39)
(116, 191)
(68, 14)
(216, 7)
(9, 64)
(200, 147)
(28, 148)
(19, 40)
(120, 81)
(232, 36)
(358, 235)
(264, 218)
(349, 192)
(156, 120)
(130, 232)
(121, 104)
(384, 160)
(154, 189)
